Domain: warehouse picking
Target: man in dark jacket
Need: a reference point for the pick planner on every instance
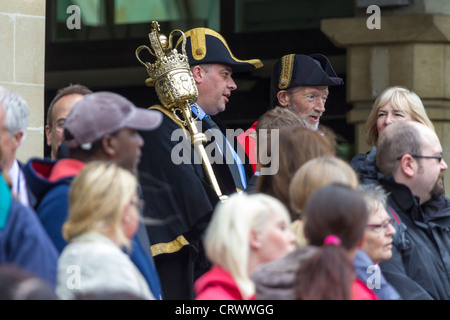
(177, 244)
(409, 158)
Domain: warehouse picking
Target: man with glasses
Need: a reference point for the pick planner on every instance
(57, 113)
(299, 83)
(409, 156)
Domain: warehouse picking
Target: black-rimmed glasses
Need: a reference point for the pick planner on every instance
(439, 158)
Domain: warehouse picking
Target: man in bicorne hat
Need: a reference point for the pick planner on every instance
(300, 83)
(180, 195)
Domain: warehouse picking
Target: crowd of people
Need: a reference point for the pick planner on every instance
(111, 215)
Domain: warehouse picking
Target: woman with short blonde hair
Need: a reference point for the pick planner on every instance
(97, 200)
(406, 103)
(395, 103)
(103, 217)
(311, 176)
(245, 232)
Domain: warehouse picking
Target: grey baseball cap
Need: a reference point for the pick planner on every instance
(101, 113)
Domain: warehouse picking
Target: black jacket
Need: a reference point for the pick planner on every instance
(180, 201)
(420, 263)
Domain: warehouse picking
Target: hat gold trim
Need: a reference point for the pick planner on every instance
(287, 66)
(199, 50)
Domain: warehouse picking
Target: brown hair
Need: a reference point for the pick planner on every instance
(297, 144)
(329, 274)
(397, 139)
(66, 91)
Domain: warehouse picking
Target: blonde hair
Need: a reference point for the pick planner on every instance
(97, 198)
(401, 99)
(316, 173)
(227, 239)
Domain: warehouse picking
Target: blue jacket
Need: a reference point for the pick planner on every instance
(23, 241)
(50, 182)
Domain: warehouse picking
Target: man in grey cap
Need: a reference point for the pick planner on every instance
(101, 126)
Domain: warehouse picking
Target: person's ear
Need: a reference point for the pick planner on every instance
(255, 241)
(197, 73)
(47, 135)
(408, 165)
(283, 98)
(109, 145)
(18, 138)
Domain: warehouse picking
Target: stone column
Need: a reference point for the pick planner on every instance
(412, 50)
(22, 52)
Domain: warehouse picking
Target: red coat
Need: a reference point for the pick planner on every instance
(361, 292)
(249, 144)
(217, 284)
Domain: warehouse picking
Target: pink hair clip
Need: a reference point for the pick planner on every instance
(332, 239)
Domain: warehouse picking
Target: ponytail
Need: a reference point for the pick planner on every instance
(327, 275)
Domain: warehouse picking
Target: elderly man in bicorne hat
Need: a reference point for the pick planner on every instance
(300, 83)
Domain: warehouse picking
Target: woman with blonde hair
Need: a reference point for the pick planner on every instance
(103, 217)
(245, 232)
(311, 176)
(395, 103)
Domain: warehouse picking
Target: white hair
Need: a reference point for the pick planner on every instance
(17, 112)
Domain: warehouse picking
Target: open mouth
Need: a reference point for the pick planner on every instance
(314, 118)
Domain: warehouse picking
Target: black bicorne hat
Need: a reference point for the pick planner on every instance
(295, 70)
(204, 46)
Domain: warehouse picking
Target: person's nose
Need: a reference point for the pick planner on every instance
(389, 119)
(232, 85)
(320, 105)
(390, 230)
(139, 140)
(443, 165)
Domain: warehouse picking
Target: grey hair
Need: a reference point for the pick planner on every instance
(374, 194)
(17, 112)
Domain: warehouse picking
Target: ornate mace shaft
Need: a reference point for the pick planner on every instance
(174, 84)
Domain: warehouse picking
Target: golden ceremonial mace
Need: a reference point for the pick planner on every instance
(174, 84)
